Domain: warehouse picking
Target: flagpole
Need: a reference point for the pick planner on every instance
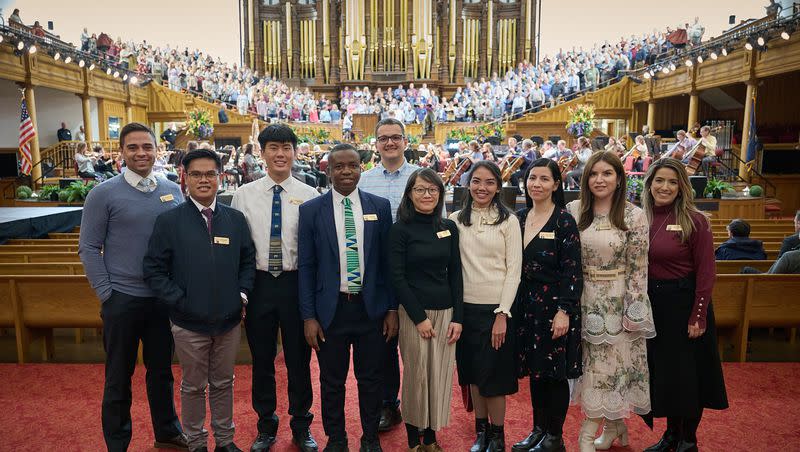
(30, 100)
(749, 116)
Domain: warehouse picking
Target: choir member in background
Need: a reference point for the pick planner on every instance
(685, 370)
(548, 309)
(615, 308)
(491, 254)
(425, 265)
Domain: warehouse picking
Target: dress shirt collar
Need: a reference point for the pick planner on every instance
(338, 197)
(285, 185)
(133, 179)
(400, 170)
(200, 207)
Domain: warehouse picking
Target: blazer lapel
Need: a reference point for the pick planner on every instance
(369, 226)
(329, 223)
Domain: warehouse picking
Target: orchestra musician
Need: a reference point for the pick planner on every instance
(710, 143)
(684, 143)
(615, 146)
(639, 152)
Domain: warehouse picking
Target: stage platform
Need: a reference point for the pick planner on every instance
(37, 222)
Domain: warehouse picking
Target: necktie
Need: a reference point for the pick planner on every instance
(275, 262)
(146, 185)
(351, 242)
(208, 213)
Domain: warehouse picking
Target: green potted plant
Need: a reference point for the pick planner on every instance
(49, 193)
(716, 187)
(24, 192)
(76, 191)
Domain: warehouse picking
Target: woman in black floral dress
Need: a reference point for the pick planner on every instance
(548, 305)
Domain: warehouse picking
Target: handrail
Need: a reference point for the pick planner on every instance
(63, 153)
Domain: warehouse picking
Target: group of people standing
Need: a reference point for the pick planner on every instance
(598, 302)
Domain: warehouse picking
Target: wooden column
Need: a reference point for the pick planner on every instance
(36, 157)
(748, 107)
(694, 103)
(128, 113)
(87, 117)
(651, 115)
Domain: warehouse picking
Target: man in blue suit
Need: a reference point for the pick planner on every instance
(345, 297)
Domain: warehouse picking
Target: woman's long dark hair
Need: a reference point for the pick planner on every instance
(464, 217)
(406, 211)
(558, 194)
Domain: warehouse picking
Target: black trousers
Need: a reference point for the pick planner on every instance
(272, 305)
(391, 374)
(126, 321)
(351, 326)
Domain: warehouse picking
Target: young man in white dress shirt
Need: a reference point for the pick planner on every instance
(270, 205)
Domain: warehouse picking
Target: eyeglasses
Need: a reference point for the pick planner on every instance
(197, 175)
(385, 139)
(420, 191)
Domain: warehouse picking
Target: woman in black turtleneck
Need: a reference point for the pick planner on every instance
(426, 273)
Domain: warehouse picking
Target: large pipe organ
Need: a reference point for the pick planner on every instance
(327, 44)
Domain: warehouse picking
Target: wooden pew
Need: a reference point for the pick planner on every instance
(48, 242)
(43, 268)
(734, 267)
(38, 248)
(41, 303)
(64, 235)
(742, 301)
(23, 257)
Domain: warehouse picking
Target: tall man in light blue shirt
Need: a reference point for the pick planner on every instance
(388, 180)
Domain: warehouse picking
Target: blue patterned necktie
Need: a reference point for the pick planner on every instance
(275, 262)
(351, 241)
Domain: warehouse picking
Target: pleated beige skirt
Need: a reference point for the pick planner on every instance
(428, 366)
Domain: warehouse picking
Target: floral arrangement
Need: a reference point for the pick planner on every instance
(312, 135)
(199, 124)
(581, 121)
(492, 129)
(635, 185)
(460, 135)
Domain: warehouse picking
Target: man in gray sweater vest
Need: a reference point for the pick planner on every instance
(118, 218)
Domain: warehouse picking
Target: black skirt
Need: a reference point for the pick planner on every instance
(478, 363)
(685, 374)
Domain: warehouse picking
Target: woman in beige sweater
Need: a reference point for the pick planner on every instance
(490, 242)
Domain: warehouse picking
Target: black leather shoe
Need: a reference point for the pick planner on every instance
(530, 442)
(230, 447)
(496, 436)
(481, 442)
(336, 446)
(370, 446)
(263, 442)
(304, 441)
(686, 446)
(550, 443)
(180, 442)
(199, 449)
(667, 443)
(390, 416)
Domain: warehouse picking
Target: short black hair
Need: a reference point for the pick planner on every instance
(134, 127)
(405, 211)
(739, 228)
(342, 147)
(277, 133)
(201, 154)
(389, 122)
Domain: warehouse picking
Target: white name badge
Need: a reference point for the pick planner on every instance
(167, 198)
(674, 227)
(370, 217)
(547, 235)
(443, 234)
(222, 241)
(296, 201)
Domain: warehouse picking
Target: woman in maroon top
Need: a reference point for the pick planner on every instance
(685, 369)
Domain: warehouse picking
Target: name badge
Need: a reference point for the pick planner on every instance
(443, 234)
(674, 227)
(222, 241)
(295, 201)
(547, 235)
(604, 226)
(167, 198)
(370, 217)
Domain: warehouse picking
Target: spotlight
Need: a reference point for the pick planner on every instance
(700, 58)
(714, 55)
(116, 74)
(761, 41)
(91, 67)
(32, 49)
(787, 33)
(57, 56)
(81, 63)
(652, 72)
(689, 62)
(1, 38)
(665, 70)
(134, 80)
(749, 44)
(68, 59)
(125, 77)
(724, 51)
(672, 66)
(20, 45)
(108, 71)
(646, 75)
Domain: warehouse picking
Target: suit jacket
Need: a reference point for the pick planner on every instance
(318, 259)
(198, 276)
(790, 243)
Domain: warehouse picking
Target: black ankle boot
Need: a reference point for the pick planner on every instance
(667, 442)
(686, 446)
(550, 443)
(480, 440)
(530, 441)
(497, 438)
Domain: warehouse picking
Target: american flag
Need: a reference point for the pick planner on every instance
(26, 134)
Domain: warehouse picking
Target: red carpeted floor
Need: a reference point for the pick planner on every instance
(56, 407)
